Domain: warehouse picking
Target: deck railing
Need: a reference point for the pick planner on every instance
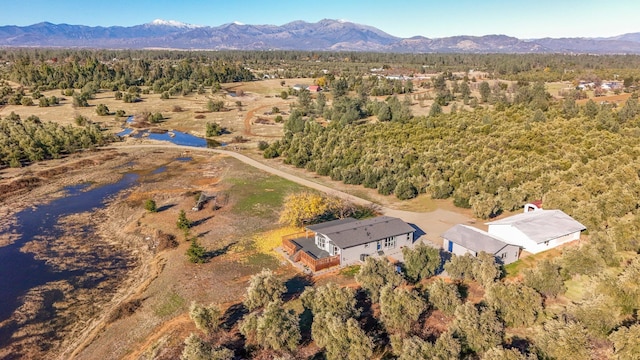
(319, 264)
(300, 255)
(288, 245)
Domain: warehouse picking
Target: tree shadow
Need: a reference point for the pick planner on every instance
(232, 315)
(296, 285)
(523, 345)
(165, 207)
(202, 234)
(201, 221)
(223, 250)
(463, 290)
(444, 257)
(306, 320)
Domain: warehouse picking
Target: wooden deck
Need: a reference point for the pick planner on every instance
(298, 254)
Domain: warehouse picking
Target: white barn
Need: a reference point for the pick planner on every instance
(463, 239)
(537, 231)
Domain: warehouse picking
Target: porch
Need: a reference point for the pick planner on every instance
(302, 248)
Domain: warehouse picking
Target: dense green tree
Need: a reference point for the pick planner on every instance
(206, 318)
(626, 342)
(479, 330)
(196, 349)
(499, 353)
(332, 299)
(485, 91)
(597, 315)
(264, 288)
(341, 339)
(150, 206)
(444, 296)
(517, 305)
(274, 328)
(564, 340)
(446, 347)
(196, 253)
(183, 223)
(374, 274)
(421, 261)
(400, 309)
(545, 278)
(460, 267)
(405, 190)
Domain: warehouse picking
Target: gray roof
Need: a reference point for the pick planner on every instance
(542, 225)
(474, 239)
(349, 232)
(328, 224)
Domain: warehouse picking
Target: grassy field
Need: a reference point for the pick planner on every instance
(261, 194)
(530, 262)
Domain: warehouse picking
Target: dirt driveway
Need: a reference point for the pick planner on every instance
(431, 223)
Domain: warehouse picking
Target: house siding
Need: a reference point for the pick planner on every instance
(351, 255)
(516, 237)
(458, 249)
(536, 248)
(506, 255)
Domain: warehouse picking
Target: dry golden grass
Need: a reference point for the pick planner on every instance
(267, 241)
(259, 97)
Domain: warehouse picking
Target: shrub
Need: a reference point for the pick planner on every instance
(102, 110)
(196, 253)
(150, 206)
(262, 145)
(214, 129)
(215, 106)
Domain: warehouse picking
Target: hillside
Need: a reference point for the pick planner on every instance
(324, 35)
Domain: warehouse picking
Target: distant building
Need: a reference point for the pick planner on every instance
(314, 88)
(537, 231)
(463, 239)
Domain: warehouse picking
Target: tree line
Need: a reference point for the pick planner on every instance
(342, 324)
(31, 140)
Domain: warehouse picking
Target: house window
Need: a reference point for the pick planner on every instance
(503, 256)
(321, 242)
(390, 242)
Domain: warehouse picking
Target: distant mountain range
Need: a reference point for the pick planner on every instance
(324, 35)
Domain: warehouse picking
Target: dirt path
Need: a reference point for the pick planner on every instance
(177, 322)
(136, 292)
(247, 121)
(431, 223)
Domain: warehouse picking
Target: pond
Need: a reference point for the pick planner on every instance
(21, 271)
(175, 137)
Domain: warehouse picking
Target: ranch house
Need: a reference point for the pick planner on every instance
(347, 241)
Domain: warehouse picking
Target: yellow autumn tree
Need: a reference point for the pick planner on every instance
(306, 208)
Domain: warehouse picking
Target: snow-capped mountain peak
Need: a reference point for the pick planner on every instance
(174, 23)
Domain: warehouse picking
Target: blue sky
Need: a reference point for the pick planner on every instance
(521, 18)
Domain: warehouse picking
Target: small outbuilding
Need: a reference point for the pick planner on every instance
(463, 239)
(537, 231)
